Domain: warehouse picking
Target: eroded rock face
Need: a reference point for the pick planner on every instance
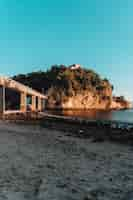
(85, 99)
(89, 100)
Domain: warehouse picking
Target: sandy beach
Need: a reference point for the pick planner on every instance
(44, 164)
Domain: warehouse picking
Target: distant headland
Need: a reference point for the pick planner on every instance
(74, 87)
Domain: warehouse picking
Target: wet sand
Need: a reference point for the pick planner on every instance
(39, 163)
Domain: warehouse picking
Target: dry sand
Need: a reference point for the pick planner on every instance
(43, 164)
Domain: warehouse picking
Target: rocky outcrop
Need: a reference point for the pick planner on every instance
(91, 101)
(120, 103)
(88, 100)
(91, 92)
(74, 87)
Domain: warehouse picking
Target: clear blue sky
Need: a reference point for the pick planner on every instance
(35, 34)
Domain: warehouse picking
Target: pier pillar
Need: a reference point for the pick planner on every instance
(39, 104)
(23, 102)
(33, 106)
(43, 104)
(2, 99)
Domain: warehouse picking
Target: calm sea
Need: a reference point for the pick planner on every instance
(121, 115)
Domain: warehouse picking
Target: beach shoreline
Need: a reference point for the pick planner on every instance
(45, 163)
(99, 130)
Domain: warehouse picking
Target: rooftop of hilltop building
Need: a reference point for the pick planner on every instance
(75, 66)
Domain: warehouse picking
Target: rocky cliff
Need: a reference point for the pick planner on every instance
(89, 100)
(73, 87)
(79, 88)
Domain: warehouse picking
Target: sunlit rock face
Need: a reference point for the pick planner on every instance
(91, 101)
(79, 88)
(88, 100)
(120, 103)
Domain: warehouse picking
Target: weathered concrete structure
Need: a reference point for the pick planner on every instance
(38, 99)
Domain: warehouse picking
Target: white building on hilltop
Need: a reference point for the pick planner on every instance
(75, 66)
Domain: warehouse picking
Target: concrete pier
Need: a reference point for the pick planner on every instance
(24, 92)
